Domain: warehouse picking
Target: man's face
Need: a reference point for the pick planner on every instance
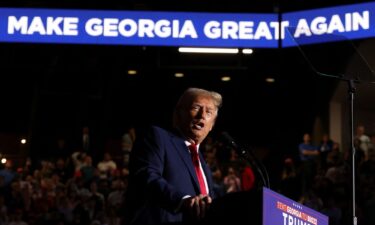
(197, 118)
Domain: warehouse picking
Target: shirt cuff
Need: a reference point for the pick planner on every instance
(181, 202)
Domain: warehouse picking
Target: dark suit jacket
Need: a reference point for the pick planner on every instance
(161, 174)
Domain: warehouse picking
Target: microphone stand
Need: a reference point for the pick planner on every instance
(351, 91)
(249, 156)
(353, 150)
(369, 76)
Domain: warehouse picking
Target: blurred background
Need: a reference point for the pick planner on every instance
(51, 95)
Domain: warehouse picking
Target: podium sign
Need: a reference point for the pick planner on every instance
(279, 210)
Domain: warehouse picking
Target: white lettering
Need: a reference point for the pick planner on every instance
(348, 21)
(263, 31)
(363, 21)
(145, 27)
(110, 27)
(131, 24)
(175, 25)
(70, 26)
(291, 220)
(319, 25)
(242, 30)
(335, 25)
(285, 216)
(230, 29)
(36, 25)
(188, 29)
(94, 27)
(51, 26)
(54, 25)
(302, 28)
(283, 25)
(212, 29)
(279, 29)
(245, 30)
(16, 25)
(163, 29)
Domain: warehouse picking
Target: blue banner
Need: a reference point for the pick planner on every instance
(138, 28)
(187, 29)
(329, 24)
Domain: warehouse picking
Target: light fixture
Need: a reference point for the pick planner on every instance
(270, 80)
(23, 141)
(225, 78)
(208, 50)
(247, 51)
(132, 72)
(3, 160)
(179, 75)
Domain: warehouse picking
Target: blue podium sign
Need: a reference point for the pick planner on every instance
(279, 210)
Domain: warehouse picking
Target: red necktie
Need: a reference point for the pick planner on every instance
(195, 158)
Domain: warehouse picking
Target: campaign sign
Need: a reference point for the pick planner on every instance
(279, 210)
(148, 28)
(329, 24)
(138, 27)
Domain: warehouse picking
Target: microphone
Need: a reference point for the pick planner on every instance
(229, 140)
(249, 156)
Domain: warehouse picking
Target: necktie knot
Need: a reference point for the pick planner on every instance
(194, 154)
(193, 149)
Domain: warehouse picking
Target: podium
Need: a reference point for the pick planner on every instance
(261, 207)
(236, 208)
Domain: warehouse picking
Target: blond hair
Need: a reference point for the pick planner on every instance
(192, 93)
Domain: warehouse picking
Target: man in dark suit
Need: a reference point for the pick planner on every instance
(169, 182)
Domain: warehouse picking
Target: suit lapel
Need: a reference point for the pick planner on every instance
(183, 152)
